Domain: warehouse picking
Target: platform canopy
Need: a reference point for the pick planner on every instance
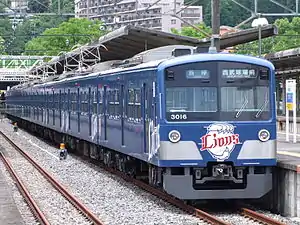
(128, 41)
(286, 62)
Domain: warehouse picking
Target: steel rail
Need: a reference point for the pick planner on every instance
(39, 215)
(73, 200)
(259, 217)
(168, 198)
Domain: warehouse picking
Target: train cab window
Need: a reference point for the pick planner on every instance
(217, 90)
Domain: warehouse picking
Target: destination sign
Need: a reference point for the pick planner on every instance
(197, 74)
(239, 73)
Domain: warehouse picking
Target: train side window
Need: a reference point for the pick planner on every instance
(113, 106)
(100, 96)
(56, 101)
(74, 101)
(130, 104)
(89, 100)
(86, 103)
(50, 100)
(82, 101)
(138, 110)
(65, 101)
(117, 103)
(94, 97)
(108, 108)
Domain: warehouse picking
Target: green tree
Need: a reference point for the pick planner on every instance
(66, 6)
(15, 40)
(288, 37)
(65, 36)
(192, 32)
(38, 6)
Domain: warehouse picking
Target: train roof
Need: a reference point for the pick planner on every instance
(161, 57)
(217, 56)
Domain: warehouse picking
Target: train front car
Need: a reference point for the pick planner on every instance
(217, 127)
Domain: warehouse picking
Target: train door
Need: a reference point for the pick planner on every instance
(105, 106)
(63, 106)
(153, 127)
(69, 109)
(47, 107)
(78, 109)
(59, 107)
(145, 116)
(53, 106)
(89, 102)
(122, 108)
(99, 111)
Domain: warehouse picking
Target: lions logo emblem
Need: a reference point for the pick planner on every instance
(219, 141)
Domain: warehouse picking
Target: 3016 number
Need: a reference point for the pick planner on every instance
(178, 116)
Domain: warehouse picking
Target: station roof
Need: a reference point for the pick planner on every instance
(128, 41)
(286, 62)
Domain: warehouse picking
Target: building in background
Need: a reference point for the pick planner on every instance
(152, 14)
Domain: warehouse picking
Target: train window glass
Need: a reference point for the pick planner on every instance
(111, 102)
(89, 100)
(116, 102)
(131, 104)
(85, 102)
(82, 102)
(114, 99)
(59, 100)
(100, 96)
(108, 97)
(191, 99)
(138, 109)
(64, 101)
(74, 101)
(94, 94)
(247, 99)
(235, 91)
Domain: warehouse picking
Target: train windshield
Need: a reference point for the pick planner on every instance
(218, 91)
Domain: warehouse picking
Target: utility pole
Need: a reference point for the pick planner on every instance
(215, 23)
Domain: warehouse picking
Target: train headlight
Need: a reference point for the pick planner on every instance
(174, 136)
(264, 135)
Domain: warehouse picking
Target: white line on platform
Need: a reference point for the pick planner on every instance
(291, 134)
(43, 149)
(289, 153)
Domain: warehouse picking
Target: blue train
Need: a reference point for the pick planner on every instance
(200, 126)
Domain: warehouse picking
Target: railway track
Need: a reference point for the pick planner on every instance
(258, 217)
(207, 217)
(245, 213)
(41, 213)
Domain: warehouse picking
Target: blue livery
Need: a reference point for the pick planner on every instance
(203, 125)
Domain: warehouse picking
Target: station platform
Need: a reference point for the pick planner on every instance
(288, 148)
(285, 195)
(9, 213)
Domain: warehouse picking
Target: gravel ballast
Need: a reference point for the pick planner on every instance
(113, 200)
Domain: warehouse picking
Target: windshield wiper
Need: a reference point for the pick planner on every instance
(237, 115)
(262, 108)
